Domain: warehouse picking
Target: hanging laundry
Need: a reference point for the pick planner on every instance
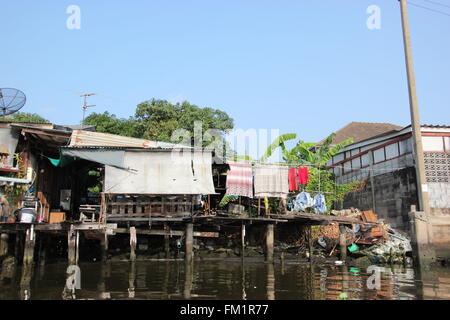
(271, 181)
(303, 201)
(320, 206)
(303, 175)
(240, 180)
(293, 180)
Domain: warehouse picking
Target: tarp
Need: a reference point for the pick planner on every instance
(113, 158)
(8, 142)
(162, 173)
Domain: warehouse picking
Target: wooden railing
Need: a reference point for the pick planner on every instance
(123, 207)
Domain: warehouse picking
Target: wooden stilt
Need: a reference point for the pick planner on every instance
(71, 246)
(4, 242)
(133, 243)
(269, 243)
(18, 245)
(30, 241)
(189, 243)
(166, 241)
(343, 242)
(259, 207)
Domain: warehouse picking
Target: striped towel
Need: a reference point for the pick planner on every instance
(271, 181)
(240, 180)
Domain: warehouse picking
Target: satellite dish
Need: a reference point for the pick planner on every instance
(11, 101)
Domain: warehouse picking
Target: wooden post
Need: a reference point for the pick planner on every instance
(133, 242)
(259, 207)
(269, 243)
(71, 245)
(30, 241)
(189, 243)
(343, 242)
(4, 239)
(166, 241)
(243, 240)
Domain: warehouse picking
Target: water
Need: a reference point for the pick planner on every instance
(229, 280)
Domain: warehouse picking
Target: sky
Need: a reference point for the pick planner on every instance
(303, 66)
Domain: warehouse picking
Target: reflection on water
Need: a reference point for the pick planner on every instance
(224, 280)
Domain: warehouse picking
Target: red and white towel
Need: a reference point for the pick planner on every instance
(240, 180)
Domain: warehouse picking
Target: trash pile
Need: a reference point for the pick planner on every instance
(374, 239)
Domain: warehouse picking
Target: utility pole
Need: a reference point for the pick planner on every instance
(423, 238)
(415, 117)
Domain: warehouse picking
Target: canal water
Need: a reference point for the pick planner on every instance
(230, 280)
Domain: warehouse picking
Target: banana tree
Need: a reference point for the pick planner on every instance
(305, 153)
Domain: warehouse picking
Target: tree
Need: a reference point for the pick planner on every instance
(109, 123)
(159, 119)
(306, 153)
(25, 117)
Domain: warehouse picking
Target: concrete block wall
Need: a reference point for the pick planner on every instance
(439, 195)
(395, 192)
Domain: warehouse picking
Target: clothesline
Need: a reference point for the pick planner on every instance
(298, 164)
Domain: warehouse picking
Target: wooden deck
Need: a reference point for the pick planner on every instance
(317, 219)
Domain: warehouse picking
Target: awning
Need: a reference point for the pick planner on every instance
(114, 158)
(162, 173)
(5, 180)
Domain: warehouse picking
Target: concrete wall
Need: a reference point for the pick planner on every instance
(439, 195)
(394, 192)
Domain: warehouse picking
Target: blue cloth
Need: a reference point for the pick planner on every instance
(303, 201)
(320, 206)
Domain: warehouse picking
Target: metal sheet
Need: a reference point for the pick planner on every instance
(161, 173)
(82, 138)
(113, 158)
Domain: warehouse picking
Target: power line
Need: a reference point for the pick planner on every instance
(429, 9)
(437, 3)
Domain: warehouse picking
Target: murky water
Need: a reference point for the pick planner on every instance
(226, 280)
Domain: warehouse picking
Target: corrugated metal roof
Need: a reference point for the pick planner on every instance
(82, 138)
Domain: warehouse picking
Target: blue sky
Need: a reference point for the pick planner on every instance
(307, 66)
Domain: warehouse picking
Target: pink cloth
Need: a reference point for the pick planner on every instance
(240, 180)
(303, 175)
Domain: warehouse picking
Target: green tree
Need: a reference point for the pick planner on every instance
(109, 123)
(25, 117)
(159, 119)
(306, 153)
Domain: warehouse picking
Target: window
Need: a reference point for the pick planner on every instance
(433, 144)
(347, 167)
(365, 159)
(338, 158)
(356, 163)
(405, 146)
(354, 152)
(392, 151)
(378, 155)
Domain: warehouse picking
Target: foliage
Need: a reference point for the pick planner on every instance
(109, 123)
(306, 153)
(323, 180)
(25, 117)
(159, 118)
